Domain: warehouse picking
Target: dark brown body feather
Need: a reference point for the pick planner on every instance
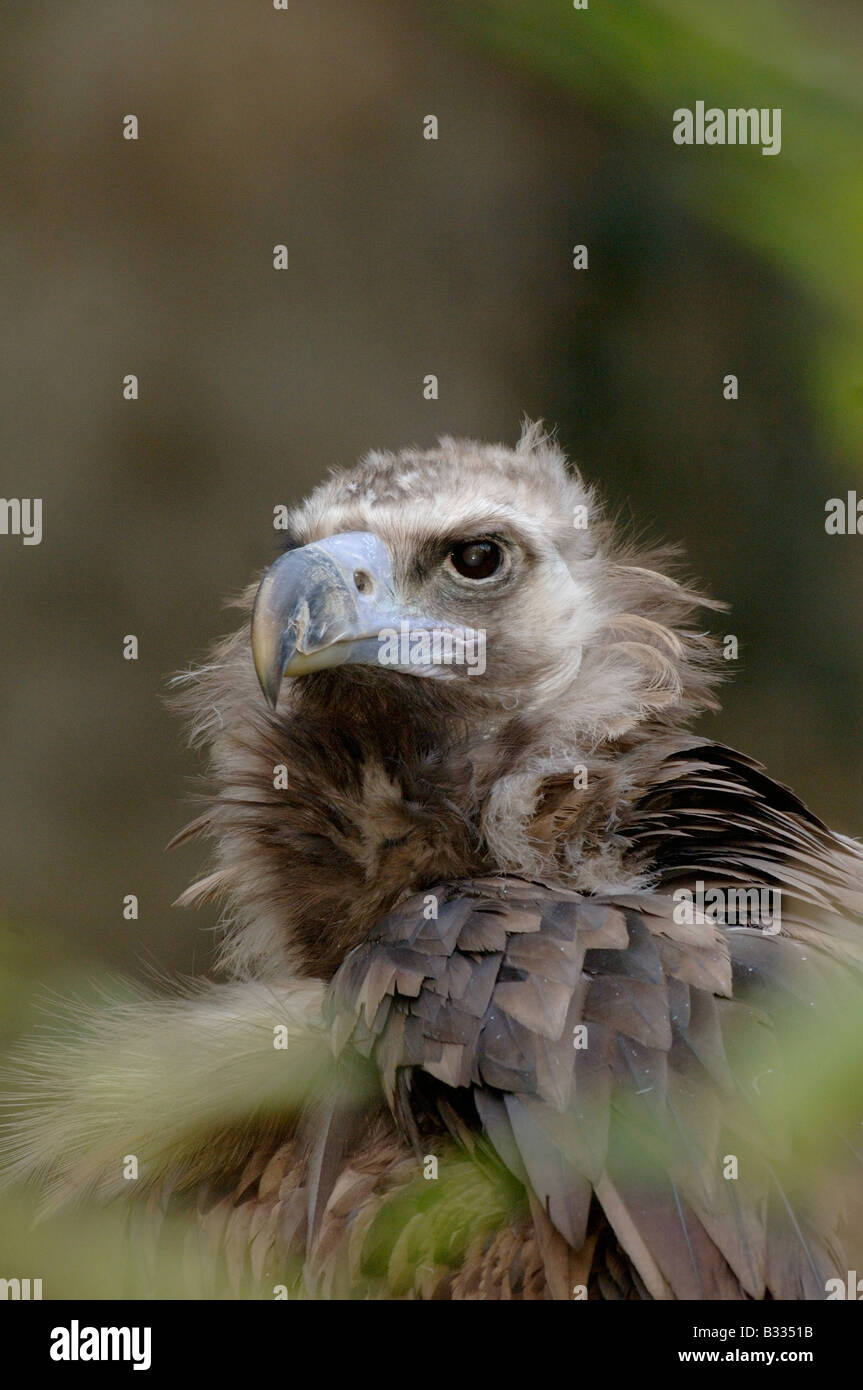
(614, 1151)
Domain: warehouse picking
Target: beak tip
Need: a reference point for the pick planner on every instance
(268, 651)
(268, 670)
(270, 683)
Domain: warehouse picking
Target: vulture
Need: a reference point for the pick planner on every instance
(531, 992)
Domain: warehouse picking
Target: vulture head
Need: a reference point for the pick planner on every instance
(453, 654)
(500, 555)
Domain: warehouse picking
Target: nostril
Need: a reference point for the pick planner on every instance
(362, 582)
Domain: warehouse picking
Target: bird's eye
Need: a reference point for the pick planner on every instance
(476, 559)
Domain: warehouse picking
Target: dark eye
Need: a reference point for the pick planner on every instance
(476, 559)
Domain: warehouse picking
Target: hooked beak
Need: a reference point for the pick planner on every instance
(327, 604)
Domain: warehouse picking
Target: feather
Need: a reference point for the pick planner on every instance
(477, 952)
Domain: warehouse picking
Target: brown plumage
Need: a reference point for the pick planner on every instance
(464, 891)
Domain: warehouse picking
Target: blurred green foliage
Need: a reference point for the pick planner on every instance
(637, 61)
(122, 1248)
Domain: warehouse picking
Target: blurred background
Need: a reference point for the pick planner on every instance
(406, 257)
